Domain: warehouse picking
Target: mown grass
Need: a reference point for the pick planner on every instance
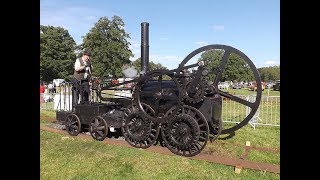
(264, 156)
(234, 145)
(75, 158)
(46, 113)
(246, 91)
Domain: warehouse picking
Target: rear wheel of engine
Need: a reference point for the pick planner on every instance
(98, 128)
(73, 124)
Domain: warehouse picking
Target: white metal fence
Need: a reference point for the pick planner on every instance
(268, 112)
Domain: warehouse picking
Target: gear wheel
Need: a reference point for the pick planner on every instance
(198, 92)
(187, 134)
(161, 91)
(138, 131)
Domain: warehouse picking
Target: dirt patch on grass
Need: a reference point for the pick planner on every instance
(48, 119)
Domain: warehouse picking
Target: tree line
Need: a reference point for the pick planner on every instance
(109, 44)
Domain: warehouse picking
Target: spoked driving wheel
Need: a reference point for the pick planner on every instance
(73, 124)
(98, 128)
(139, 131)
(160, 90)
(218, 60)
(187, 134)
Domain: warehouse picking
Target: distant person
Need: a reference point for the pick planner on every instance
(54, 90)
(50, 87)
(42, 88)
(81, 78)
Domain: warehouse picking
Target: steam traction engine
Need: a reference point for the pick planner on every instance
(181, 107)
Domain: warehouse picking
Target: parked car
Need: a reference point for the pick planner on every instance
(253, 86)
(270, 84)
(57, 82)
(276, 87)
(223, 85)
(237, 86)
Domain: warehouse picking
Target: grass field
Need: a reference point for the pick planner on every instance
(75, 158)
(246, 91)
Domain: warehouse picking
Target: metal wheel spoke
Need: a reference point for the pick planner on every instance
(100, 133)
(96, 122)
(202, 138)
(237, 99)
(153, 136)
(220, 69)
(74, 127)
(149, 140)
(200, 126)
(101, 128)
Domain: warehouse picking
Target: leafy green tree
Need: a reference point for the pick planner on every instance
(271, 73)
(109, 46)
(56, 53)
(236, 68)
(152, 65)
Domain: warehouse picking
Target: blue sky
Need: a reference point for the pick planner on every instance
(178, 27)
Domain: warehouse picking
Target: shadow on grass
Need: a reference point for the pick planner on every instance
(229, 136)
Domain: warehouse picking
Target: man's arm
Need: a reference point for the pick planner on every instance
(77, 66)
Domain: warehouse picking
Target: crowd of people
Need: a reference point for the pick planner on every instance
(45, 89)
(50, 88)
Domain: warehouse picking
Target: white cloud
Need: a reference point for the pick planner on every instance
(201, 43)
(217, 27)
(169, 61)
(271, 63)
(70, 18)
(135, 48)
(164, 38)
(89, 18)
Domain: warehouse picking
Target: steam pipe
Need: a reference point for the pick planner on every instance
(144, 47)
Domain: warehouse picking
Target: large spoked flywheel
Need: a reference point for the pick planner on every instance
(216, 67)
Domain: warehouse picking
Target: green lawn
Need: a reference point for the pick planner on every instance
(246, 91)
(267, 137)
(75, 158)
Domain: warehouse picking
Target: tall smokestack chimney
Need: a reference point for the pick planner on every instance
(144, 47)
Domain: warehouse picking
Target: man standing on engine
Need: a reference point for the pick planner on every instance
(81, 78)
